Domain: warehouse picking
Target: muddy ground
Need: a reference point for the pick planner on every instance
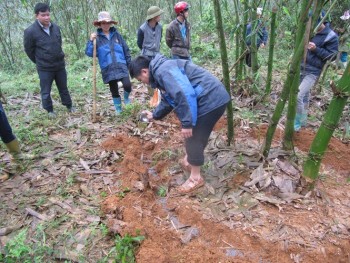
(125, 176)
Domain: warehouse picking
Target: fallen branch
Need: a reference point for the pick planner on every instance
(36, 214)
(237, 61)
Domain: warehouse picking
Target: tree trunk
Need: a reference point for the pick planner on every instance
(243, 37)
(292, 73)
(225, 68)
(254, 47)
(331, 119)
(237, 37)
(271, 49)
(303, 35)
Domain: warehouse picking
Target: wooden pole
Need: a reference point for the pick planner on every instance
(94, 82)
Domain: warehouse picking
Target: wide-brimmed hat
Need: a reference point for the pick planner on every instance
(104, 17)
(153, 11)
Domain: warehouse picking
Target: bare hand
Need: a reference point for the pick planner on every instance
(186, 133)
(262, 45)
(311, 46)
(93, 36)
(148, 114)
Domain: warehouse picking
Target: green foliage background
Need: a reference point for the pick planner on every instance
(75, 18)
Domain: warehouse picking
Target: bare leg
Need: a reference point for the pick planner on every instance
(184, 164)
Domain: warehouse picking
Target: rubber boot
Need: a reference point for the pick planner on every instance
(297, 122)
(303, 119)
(118, 105)
(126, 98)
(14, 148)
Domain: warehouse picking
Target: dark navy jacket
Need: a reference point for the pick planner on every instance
(261, 37)
(43, 49)
(186, 88)
(326, 48)
(113, 55)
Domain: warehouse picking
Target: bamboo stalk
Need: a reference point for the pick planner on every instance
(94, 82)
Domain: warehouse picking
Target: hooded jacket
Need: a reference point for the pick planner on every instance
(186, 88)
(113, 55)
(326, 48)
(43, 49)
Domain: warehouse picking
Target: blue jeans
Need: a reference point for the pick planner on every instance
(46, 79)
(5, 128)
(307, 82)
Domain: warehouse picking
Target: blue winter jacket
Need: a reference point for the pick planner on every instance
(113, 55)
(262, 34)
(186, 88)
(326, 48)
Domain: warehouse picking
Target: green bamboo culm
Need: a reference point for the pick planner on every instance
(330, 122)
(243, 43)
(225, 69)
(302, 37)
(271, 50)
(237, 39)
(293, 73)
(254, 50)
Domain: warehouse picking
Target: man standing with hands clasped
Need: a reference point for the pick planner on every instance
(178, 35)
(43, 45)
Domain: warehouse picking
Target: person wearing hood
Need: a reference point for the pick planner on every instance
(113, 57)
(149, 34)
(198, 99)
(322, 46)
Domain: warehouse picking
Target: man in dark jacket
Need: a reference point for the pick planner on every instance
(198, 98)
(178, 35)
(322, 47)
(43, 45)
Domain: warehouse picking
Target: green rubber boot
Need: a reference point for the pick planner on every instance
(126, 98)
(118, 105)
(297, 122)
(303, 119)
(14, 148)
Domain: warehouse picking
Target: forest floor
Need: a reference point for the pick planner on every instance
(96, 180)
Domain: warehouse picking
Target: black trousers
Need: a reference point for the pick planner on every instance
(113, 86)
(46, 79)
(5, 128)
(196, 144)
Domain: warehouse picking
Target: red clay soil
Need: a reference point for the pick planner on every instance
(337, 155)
(147, 212)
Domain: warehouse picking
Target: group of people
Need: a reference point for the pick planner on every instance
(197, 97)
(114, 55)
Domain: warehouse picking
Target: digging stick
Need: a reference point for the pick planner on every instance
(94, 82)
